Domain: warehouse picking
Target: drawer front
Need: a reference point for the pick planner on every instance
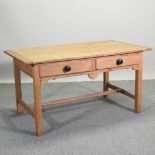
(66, 67)
(118, 60)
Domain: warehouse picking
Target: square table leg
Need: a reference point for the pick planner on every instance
(138, 86)
(37, 101)
(105, 82)
(138, 90)
(18, 91)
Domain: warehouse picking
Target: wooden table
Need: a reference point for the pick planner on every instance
(51, 62)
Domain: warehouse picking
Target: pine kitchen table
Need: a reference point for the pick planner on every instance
(91, 58)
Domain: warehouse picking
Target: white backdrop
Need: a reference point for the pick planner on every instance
(28, 23)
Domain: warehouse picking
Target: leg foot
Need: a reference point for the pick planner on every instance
(20, 108)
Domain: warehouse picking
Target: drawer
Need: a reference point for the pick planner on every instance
(66, 67)
(118, 60)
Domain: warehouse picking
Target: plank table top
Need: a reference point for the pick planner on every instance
(53, 53)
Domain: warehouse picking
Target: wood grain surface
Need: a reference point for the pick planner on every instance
(73, 51)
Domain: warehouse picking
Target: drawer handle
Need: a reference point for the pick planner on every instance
(119, 61)
(66, 69)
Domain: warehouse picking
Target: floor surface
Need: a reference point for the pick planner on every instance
(100, 126)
